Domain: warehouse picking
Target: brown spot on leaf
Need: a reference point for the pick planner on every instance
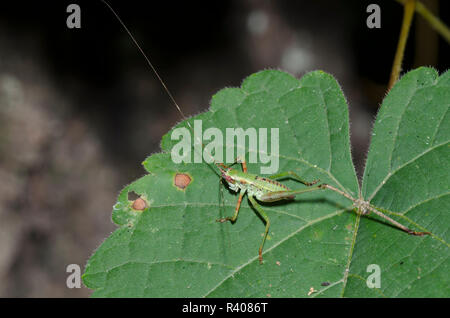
(182, 180)
(139, 204)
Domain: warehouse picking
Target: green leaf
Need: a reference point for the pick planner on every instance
(407, 171)
(175, 247)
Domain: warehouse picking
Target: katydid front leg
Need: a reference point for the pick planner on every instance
(241, 195)
(236, 211)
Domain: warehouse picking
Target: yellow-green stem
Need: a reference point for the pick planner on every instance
(408, 13)
(434, 21)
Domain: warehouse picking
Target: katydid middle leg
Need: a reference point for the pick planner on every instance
(264, 216)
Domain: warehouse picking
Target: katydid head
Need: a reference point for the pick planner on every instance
(226, 173)
(230, 176)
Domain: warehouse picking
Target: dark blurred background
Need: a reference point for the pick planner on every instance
(80, 110)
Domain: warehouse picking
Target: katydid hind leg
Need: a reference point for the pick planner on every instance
(281, 195)
(293, 175)
(402, 227)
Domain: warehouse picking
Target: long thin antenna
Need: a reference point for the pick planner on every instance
(147, 59)
(158, 76)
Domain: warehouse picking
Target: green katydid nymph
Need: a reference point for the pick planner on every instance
(261, 189)
(265, 189)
